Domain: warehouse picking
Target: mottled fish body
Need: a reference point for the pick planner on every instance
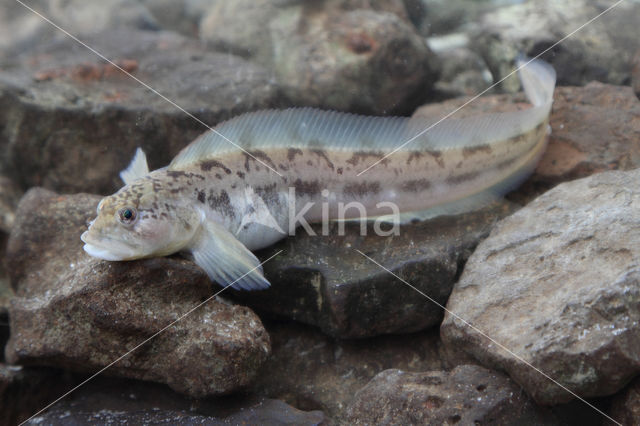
(219, 202)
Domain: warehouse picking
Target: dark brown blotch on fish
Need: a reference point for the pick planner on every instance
(221, 202)
(417, 185)
(472, 150)
(292, 152)
(362, 189)
(414, 155)
(359, 156)
(309, 188)
(322, 154)
(207, 165)
(464, 177)
(437, 156)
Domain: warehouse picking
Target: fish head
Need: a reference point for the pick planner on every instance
(136, 222)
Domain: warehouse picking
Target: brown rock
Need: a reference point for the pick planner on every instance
(557, 283)
(69, 121)
(24, 391)
(80, 313)
(625, 407)
(324, 281)
(333, 54)
(467, 395)
(314, 372)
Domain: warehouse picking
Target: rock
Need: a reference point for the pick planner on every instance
(467, 395)
(322, 280)
(20, 27)
(625, 407)
(9, 196)
(594, 129)
(181, 16)
(330, 54)
(557, 283)
(464, 72)
(602, 50)
(635, 75)
(109, 401)
(447, 16)
(314, 372)
(76, 312)
(24, 391)
(62, 109)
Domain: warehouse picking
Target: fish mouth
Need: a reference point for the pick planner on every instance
(112, 250)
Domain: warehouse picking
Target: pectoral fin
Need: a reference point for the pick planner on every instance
(136, 169)
(226, 260)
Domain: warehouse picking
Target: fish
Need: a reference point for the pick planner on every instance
(216, 201)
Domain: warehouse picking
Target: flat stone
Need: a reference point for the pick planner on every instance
(79, 313)
(466, 395)
(322, 280)
(355, 56)
(312, 371)
(63, 110)
(558, 283)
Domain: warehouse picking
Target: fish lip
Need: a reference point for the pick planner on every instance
(95, 249)
(100, 253)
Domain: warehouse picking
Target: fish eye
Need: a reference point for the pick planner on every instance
(127, 215)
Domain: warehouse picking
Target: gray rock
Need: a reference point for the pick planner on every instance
(314, 372)
(600, 51)
(77, 312)
(330, 54)
(467, 395)
(558, 283)
(625, 407)
(6, 292)
(21, 28)
(324, 281)
(464, 72)
(181, 16)
(9, 196)
(111, 401)
(63, 111)
(635, 74)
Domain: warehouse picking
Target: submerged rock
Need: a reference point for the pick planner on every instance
(312, 371)
(601, 50)
(625, 407)
(76, 312)
(9, 196)
(558, 283)
(322, 280)
(350, 56)
(69, 121)
(467, 395)
(110, 401)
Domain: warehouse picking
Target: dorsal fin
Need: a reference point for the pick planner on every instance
(137, 168)
(313, 128)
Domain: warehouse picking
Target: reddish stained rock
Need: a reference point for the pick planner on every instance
(73, 127)
(80, 313)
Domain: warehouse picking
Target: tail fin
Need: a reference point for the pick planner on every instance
(538, 79)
